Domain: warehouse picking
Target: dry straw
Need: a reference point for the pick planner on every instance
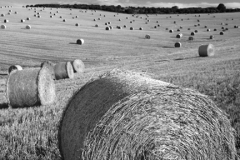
(14, 67)
(63, 70)
(127, 116)
(206, 50)
(30, 87)
(78, 66)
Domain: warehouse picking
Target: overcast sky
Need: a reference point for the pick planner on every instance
(148, 3)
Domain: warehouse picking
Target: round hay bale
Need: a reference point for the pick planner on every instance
(99, 18)
(28, 18)
(14, 67)
(125, 26)
(107, 28)
(170, 31)
(206, 50)
(94, 19)
(131, 28)
(192, 33)
(215, 29)
(140, 28)
(28, 27)
(190, 38)
(125, 115)
(64, 20)
(196, 31)
(63, 70)
(110, 27)
(78, 66)
(22, 20)
(208, 30)
(30, 87)
(211, 37)
(166, 28)
(6, 21)
(221, 33)
(51, 16)
(180, 35)
(2, 15)
(155, 26)
(76, 24)
(109, 22)
(177, 44)
(3, 26)
(96, 25)
(147, 36)
(80, 41)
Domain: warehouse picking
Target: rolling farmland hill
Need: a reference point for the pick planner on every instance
(31, 133)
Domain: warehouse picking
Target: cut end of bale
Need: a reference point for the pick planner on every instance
(78, 66)
(46, 86)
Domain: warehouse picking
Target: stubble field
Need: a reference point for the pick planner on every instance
(31, 133)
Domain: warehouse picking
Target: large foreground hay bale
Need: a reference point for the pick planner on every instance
(63, 70)
(14, 67)
(206, 50)
(30, 87)
(124, 115)
(78, 66)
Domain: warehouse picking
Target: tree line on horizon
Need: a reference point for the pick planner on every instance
(142, 10)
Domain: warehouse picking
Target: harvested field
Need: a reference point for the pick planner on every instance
(31, 133)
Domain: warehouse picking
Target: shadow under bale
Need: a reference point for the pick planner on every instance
(124, 115)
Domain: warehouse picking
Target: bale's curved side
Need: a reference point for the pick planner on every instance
(125, 115)
(63, 70)
(22, 88)
(78, 66)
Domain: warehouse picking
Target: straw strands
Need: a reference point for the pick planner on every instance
(30, 87)
(125, 115)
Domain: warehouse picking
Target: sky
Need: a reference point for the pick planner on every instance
(146, 3)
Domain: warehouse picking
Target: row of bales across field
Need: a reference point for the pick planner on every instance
(124, 114)
(176, 23)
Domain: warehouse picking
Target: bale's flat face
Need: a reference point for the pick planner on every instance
(78, 66)
(46, 86)
(70, 71)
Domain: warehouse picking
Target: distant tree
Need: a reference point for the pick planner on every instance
(221, 7)
(175, 7)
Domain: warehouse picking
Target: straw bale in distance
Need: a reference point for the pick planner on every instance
(13, 68)
(3, 26)
(78, 66)
(206, 50)
(28, 27)
(30, 87)
(147, 36)
(178, 44)
(125, 115)
(80, 41)
(63, 70)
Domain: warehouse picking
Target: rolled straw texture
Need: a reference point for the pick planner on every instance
(30, 87)
(63, 70)
(127, 116)
(206, 50)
